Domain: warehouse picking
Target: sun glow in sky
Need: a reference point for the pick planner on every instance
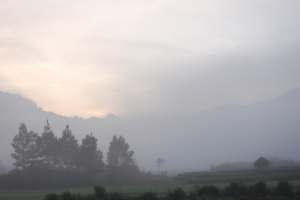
(131, 58)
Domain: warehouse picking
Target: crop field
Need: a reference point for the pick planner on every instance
(272, 174)
(186, 181)
(130, 190)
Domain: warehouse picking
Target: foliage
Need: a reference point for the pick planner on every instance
(49, 160)
(236, 189)
(284, 188)
(272, 174)
(259, 189)
(121, 166)
(69, 149)
(49, 147)
(117, 196)
(118, 153)
(52, 196)
(25, 149)
(176, 194)
(137, 192)
(90, 158)
(208, 190)
(39, 178)
(148, 196)
(100, 193)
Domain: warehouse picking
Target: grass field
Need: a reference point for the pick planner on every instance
(247, 175)
(186, 181)
(160, 189)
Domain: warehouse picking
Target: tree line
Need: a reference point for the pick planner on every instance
(49, 152)
(47, 161)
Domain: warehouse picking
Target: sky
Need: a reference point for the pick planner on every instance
(159, 57)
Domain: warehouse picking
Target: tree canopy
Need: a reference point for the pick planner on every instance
(25, 149)
(119, 153)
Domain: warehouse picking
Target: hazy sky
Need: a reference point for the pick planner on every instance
(131, 58)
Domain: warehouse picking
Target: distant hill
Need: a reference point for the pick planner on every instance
(276, 162)
(218, 135)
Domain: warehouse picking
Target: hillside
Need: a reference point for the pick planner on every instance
(250, 175)
(215, 136)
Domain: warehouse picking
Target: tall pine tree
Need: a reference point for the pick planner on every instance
(49, 148)
(26, 151)
(120, 163)
(68, 149)
(90, 157)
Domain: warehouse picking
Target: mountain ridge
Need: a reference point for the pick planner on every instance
(272, 126)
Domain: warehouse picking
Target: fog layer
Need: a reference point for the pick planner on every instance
(141, 58)
(223, 134)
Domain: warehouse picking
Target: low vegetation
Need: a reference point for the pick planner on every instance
(235, 190)
(46, 161)
(250, 175)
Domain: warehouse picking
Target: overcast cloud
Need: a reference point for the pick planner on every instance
(135, 58)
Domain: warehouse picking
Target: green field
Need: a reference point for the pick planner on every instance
(130, 190)
(186, 181)
(272, 174)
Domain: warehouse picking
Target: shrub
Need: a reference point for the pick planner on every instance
(206, 190)
(51, 196)
(259, 189)
(87, 197)
(284, 188)
(176, 194)
(100, 193)
(148, 196)
(67, 196)
(236, 189)
(117, 196)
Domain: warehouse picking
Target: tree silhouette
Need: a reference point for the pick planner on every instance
(49, 147)
(119, 153)
(26, 151)
(120, 163)
(159, 163)
(91, 158)
(68, 149)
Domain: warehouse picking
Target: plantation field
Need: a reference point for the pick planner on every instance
(186, 181)
(272, 174)
(130, 190)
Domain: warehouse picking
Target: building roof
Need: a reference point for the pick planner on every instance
(262, 162)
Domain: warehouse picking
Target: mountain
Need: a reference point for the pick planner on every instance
(218, 135)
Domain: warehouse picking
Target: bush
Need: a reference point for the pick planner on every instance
(284, 188)
(259, 189)
(67, 196)
(148, 196)
(176, 194)
(51, 196)
(87, 197)
(100, 193)
(206, 190)
(236, 189)
(117, 196)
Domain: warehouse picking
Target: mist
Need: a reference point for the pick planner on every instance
(195, 83)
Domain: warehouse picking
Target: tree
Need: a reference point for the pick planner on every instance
(91, 158)
(120, 163)
(2, 169)
(49, 147)
(119, 153)
(68, 147)
(159, 163)
(26, 151)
